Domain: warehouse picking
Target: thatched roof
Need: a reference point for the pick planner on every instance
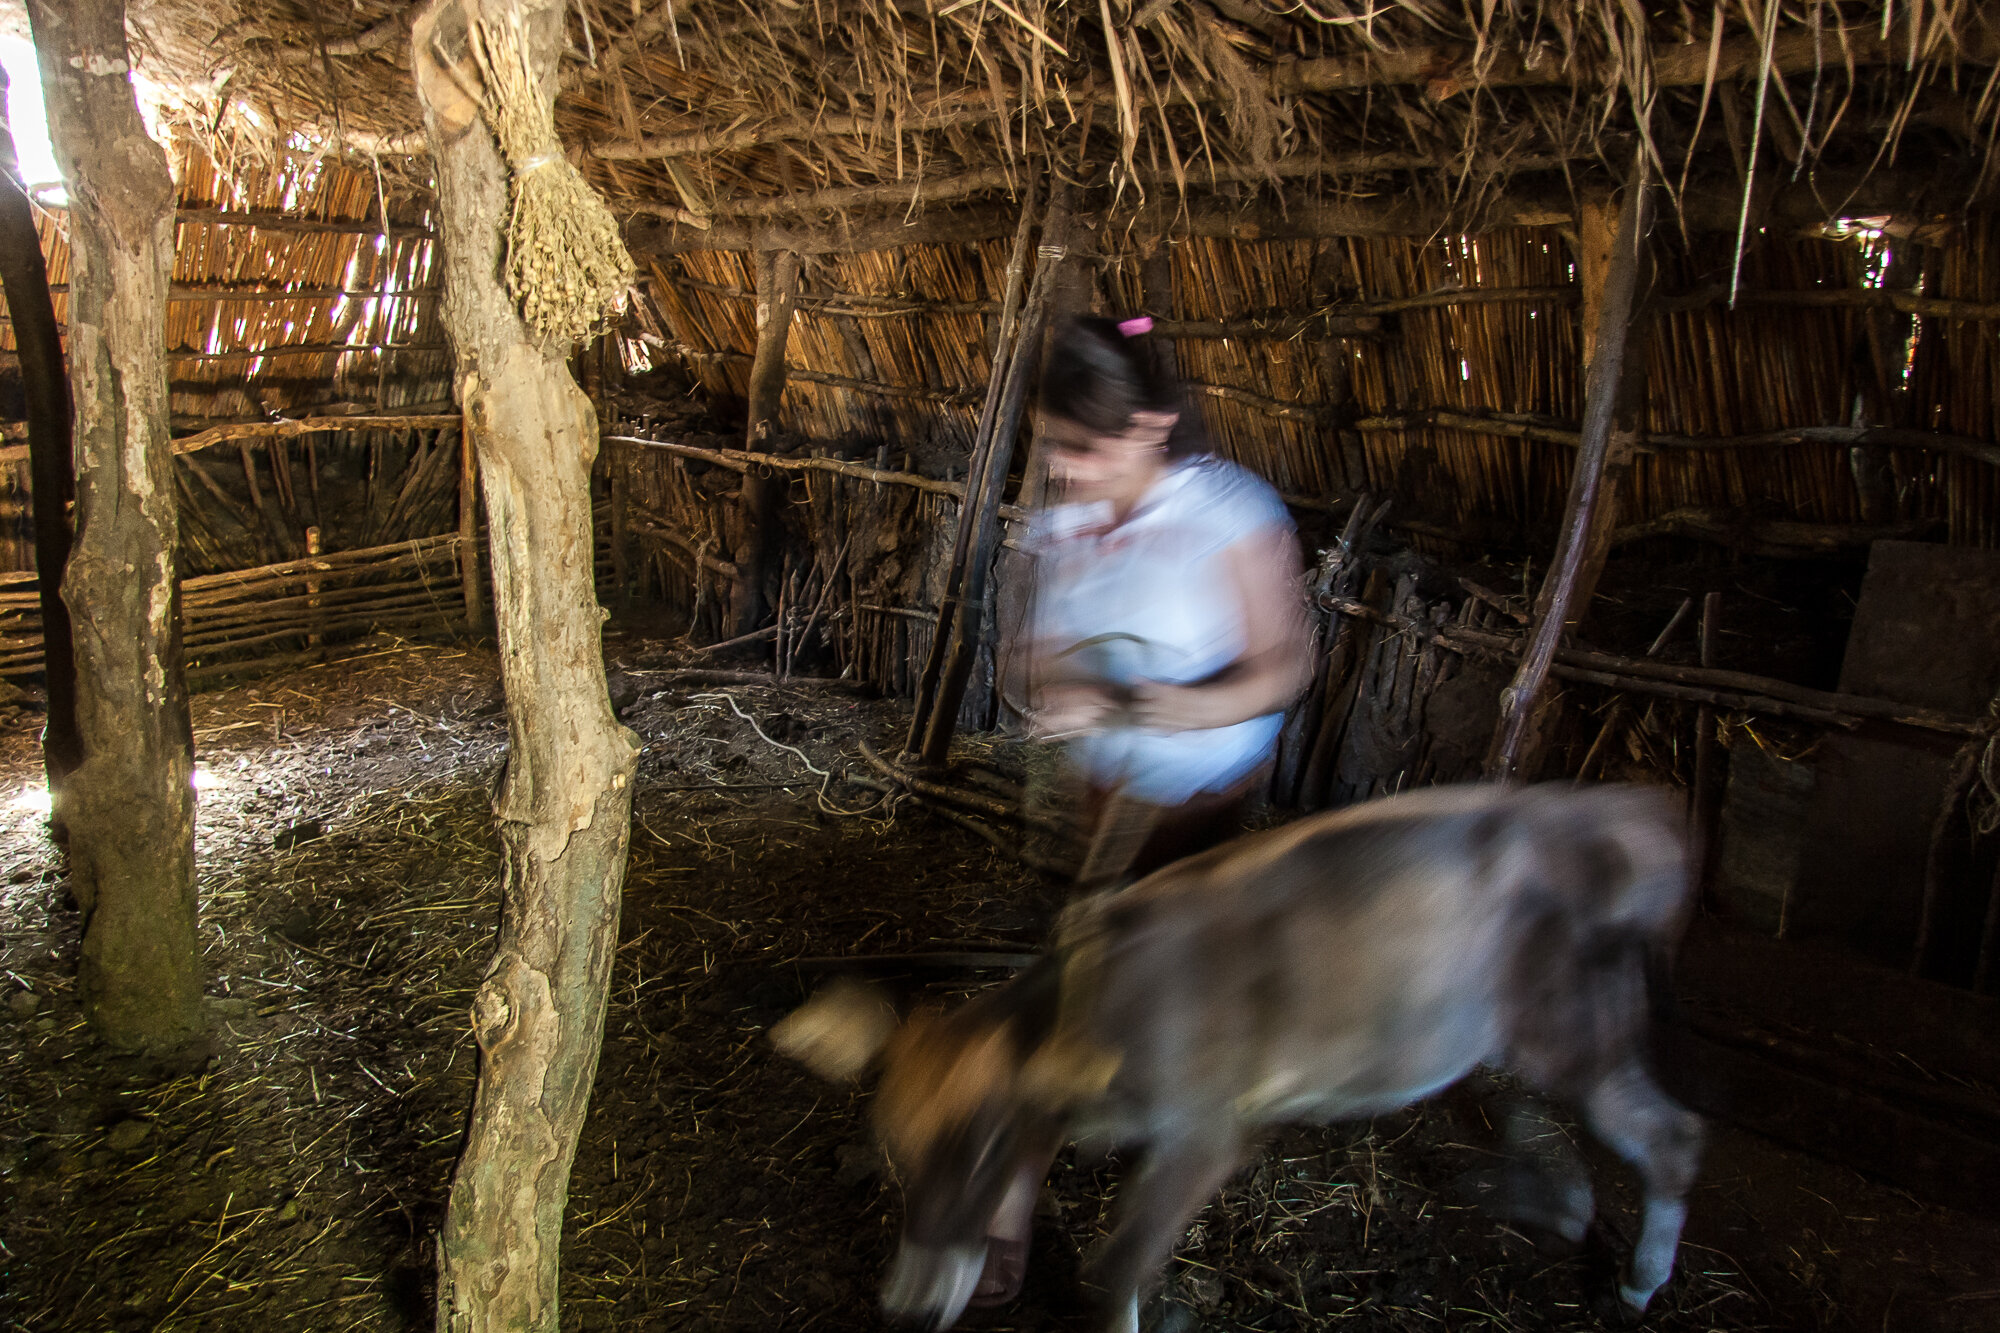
(1318, 168)
(736, 112)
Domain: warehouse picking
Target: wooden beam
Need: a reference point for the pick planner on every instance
(184, 292)
(1513, 753)
(740, 460)
(1452, 69)
(756, 545)
(983, 503)
(130, 808)
(1809, 203)
(930, 679)
(299, 349)
(564, 804)
(271, 220)
(1738, 690)
(657, 238)
(24, 279)
(1597, 240)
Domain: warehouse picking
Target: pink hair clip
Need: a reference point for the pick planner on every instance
(1133, 327)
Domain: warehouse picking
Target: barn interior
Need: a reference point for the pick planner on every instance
(1651, 344)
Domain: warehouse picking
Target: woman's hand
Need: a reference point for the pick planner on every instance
(1071, 707)
(1161, 707)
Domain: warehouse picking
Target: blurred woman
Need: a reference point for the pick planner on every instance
(1166, 638)
(1168, 631)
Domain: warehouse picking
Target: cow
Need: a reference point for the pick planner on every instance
(1339, 967)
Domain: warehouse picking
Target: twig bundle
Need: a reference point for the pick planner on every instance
(567, 265)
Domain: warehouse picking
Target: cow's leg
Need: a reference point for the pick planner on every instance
(1663, 1140)
(1546, 1185)
(1176, 1178)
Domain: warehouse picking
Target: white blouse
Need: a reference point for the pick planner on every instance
(1151, 599)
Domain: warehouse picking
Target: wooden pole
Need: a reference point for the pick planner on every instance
(763, 491)
(52, 472)
(1072, 297)
(1597, 235)
(1514, 752)
(1706, 798)
(131, 801)
(468, 533)
(564, 806)
(982, 508)
(976, 470)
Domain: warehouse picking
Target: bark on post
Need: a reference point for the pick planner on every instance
(763, 491)
(1514, 752)
(564, 809)
(51, 467)
(131, 801)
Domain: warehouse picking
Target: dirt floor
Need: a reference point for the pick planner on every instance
(349, 882)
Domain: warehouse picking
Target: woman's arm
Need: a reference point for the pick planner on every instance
(1276, 666)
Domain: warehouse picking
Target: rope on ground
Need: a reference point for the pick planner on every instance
(825, 777)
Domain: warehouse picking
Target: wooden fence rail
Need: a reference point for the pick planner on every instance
(231, 621)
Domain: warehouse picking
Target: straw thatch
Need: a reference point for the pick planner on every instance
(1365, 214)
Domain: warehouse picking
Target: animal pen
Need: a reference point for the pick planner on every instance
(1628, 373)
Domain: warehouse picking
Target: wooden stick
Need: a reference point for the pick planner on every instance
(741, 460)
(1739, 690)
(646, 524)
(968, 604)
(1512, 750)
(24, 279)
(468, 534)
(976, 476)
(754, 636)
(1704, 800)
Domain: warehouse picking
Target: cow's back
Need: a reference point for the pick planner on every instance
(1354, 960)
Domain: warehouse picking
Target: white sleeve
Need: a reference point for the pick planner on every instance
(1241, 504)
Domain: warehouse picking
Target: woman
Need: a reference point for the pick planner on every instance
(1168, 633)
(1166, 638)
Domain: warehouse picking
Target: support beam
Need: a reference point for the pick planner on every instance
(982, 507)
(1514, 752)
(564, 805)
(757, 540)
(131, 800)
(1807, 203)
(951, 607)
(1597, 240)
(24, 279)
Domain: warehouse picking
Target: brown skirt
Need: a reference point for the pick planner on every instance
(1130, 839)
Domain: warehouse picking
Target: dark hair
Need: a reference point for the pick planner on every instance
(1099, 378)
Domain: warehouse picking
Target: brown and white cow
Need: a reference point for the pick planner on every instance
(1336, 968)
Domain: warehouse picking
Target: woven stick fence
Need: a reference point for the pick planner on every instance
(280, 614)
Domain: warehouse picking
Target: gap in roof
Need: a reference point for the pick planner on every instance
(27, 118)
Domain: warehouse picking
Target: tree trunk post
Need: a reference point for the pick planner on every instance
(131, 801)
(763, 490)
(51, 466)
(564, 807)
(1516, 748)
